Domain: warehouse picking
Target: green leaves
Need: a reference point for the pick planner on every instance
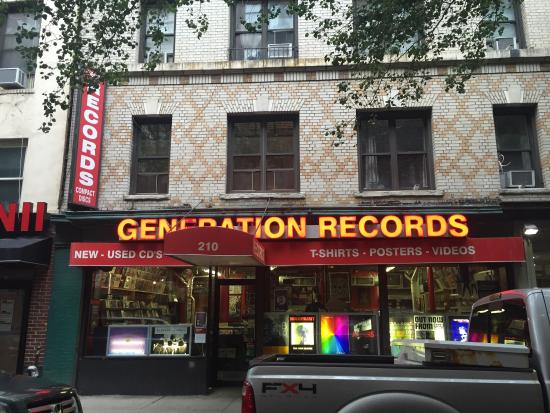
(389, 46)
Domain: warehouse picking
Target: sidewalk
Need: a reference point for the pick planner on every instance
(226, 400)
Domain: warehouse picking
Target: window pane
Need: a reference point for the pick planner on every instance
(248, 46)
(9, 191)
(512, 132)
(246, 181)
(167, 45)
(377, 137)
(162, 183)
(153, 139)
(12, 161)
(280, 162)
(409, 134)
(377, 172)
(283, 20)
(146, 184)
(246, 162)
(280, 180)
(153, 165)
(280, 37)
(509, 12)
(515, 161)
(280, 137)
(246, 138)
(247, 12)
(162, 19)
(412, 171)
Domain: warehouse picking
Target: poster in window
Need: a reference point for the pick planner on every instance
(363, 334)
(127, 341)
(401, 328)
(303, 334)
(234, 307)
(7, 309)
(339, 286)
(458, 329)
(281, 299)
(429, 327)
(171, 340)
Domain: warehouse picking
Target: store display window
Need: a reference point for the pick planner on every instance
(147, 311)
(432, 302)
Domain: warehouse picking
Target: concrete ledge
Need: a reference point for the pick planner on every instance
(525, 191)
(400, 194)
(262, 195)
(147, 197)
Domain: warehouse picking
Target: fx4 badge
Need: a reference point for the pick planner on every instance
(289, 388)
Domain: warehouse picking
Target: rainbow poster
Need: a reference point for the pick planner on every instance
(334, 334)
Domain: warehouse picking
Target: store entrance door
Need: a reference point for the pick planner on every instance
(12, 327)
(236, 332)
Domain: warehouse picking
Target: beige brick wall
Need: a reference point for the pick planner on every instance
(464, 147)
(535, 16)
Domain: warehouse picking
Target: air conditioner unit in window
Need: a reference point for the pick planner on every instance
(279, 50)
(520, 179)
(503, 43)
(13, 78)
(164, 57)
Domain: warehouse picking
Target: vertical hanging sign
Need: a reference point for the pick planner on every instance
(87, 152)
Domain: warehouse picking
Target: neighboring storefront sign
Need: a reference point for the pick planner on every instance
(87, 148)
(275, 227)
(25, 222)
(88, 254)
(303, 334)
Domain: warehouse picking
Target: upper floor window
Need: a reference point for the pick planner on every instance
(263, 154)
(516, 145)
(10, 57)
(276, 39)
(156, 21)
(151, 154)
(12, 161)
(394, 150)
(509, 34)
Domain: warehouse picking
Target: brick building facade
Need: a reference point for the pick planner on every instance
(202, 95)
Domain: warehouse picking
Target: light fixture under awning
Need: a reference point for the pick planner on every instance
(214, 246)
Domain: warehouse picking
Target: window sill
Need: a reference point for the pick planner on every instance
(262, 195)
(400, 194)
(525, 191)
(147, 197)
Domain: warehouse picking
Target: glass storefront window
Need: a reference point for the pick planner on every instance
(433, 302)
(325, 310)
(150, 309)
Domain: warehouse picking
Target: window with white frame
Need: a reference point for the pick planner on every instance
(509, 34)
(159, 21)
(12, 161)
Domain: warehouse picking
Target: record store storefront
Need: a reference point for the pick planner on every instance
(188, 309)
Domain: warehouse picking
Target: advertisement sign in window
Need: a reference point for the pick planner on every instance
(127, 341)
(401, 328)
(430, 327)
(302, 334)
(171, 340)
(458, 329)
(335, 334)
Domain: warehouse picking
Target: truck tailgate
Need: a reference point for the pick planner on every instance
(293, 388)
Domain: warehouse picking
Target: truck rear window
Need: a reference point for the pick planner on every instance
(503, 322)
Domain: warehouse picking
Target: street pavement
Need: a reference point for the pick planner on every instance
(221, 400)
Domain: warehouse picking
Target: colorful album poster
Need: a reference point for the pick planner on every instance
(302, 334)
(458, 329)
(127, 341)
(335, 334)
(363, 335)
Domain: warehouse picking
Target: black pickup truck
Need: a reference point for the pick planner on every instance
(24, 394)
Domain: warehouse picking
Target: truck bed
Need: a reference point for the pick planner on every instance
(350, 384)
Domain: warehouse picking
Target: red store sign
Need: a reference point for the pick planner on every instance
(13, 222)
(93, 254)
(88, 148)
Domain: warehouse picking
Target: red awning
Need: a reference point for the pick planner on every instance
(214, 246)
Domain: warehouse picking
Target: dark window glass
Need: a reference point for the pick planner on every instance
(12, 161)
(508, 35)
(515, 143)
(151, 155)
(500, 323)
(276, 39)
(263, 156)
(394, 152)
(165, 21)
